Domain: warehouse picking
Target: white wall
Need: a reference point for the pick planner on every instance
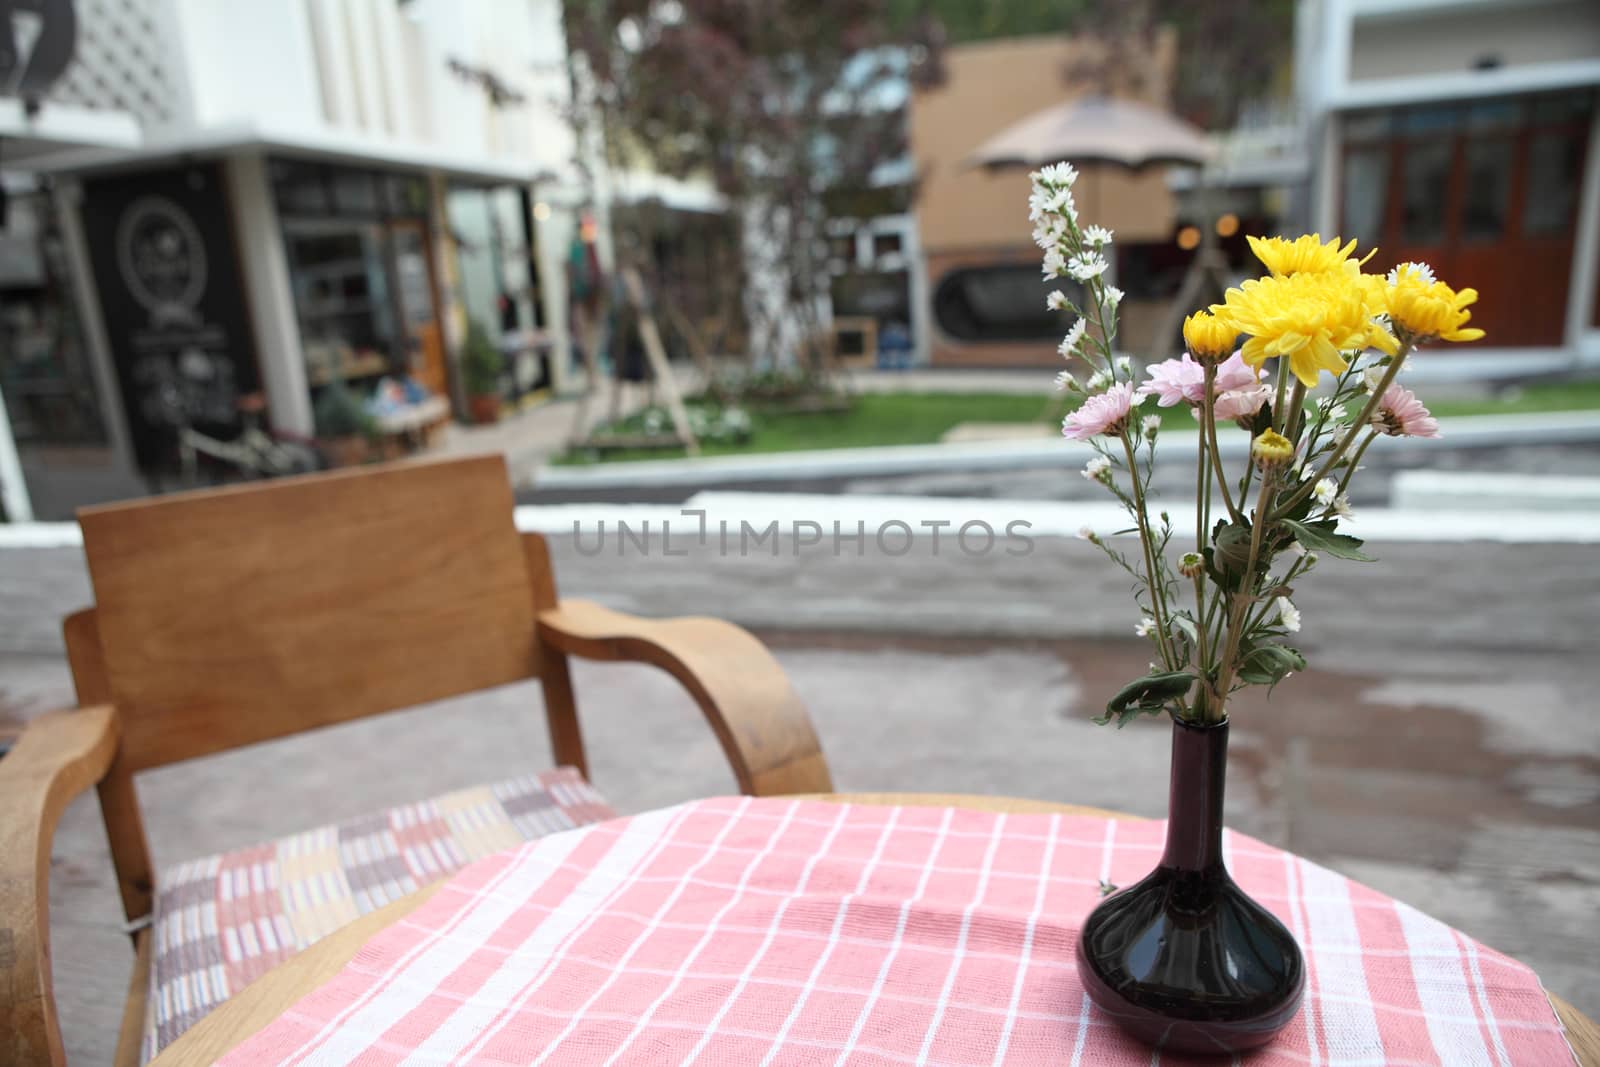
(1516, 34)
(243, 62)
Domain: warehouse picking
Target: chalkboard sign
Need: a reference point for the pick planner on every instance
(166, 268)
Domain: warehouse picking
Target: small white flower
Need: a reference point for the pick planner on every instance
(1152, 425)
(1341, 506)
(1065, 381)
(1097, 382)
(1049, 232)
(1145, 627)
(1306, 473)
(1073, 340)
(1325, 491)
(1125, 366)
(1297, 550)
(1056, 300)
(1371, 378)
(1113, 297)
(1096, 236)
(1086, 533)
(1086, 265)
(1055, 264)
(1096, 468)
(1421, 271)
(1056, 174)
(1288, 615)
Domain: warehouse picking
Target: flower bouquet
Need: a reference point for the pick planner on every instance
(1184, 958)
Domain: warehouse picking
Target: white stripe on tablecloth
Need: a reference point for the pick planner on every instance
(833, 937)
(1027, 941)
(1483, 998)
(960, 953)
(894, 945)
(1105, 879)
(761, 950)
(1312, 1011)
(728, 905)
(350, 1031)
(1351, 1032)
(480, 1017)
(732, 820)
(1442, 990)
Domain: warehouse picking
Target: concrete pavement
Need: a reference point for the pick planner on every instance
(1443, 748)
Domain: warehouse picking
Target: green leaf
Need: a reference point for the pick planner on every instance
(1232, 548)
(1319, 537)
(1147, 694)
(1269, 664)
(1184, 627)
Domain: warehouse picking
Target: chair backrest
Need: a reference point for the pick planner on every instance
(236, 615)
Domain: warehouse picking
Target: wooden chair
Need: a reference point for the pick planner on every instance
(233, 616)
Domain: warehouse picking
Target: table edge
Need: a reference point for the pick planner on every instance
(256, 1005)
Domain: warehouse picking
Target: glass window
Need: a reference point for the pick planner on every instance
(355, 192)
(999, 303)
(1427, 121)
(1555, 163)
(1369, 126)
(50, 392)
(341, 287)
(1562, 107)
(301, 188)
(405, 195)
(1366, 178)
(1488, 189)
(1494, 115)
(1424, 183)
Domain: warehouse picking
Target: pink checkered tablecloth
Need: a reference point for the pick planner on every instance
(739, 931)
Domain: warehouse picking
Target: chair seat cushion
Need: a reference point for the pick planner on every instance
(222, 921)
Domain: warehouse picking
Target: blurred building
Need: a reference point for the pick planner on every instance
(985, 294)
(213, 199)
(1465, 134)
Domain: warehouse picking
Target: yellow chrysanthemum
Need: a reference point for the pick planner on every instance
(1426, 310)
(1272, 449)
(1305, 255)
(1209, 337)
(1306, 318)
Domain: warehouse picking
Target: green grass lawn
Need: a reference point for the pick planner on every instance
(923, 418)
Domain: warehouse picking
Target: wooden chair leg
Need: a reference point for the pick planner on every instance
(131, 1035)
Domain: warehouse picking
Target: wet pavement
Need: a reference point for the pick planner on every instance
(1444, 747)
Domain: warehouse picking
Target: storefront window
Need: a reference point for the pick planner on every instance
(50, 394)
(998, 303)
(342, 295)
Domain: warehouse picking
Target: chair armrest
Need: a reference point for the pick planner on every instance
(58, 756)
(763, 727)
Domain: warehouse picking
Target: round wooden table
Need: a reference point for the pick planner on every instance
(269, 996)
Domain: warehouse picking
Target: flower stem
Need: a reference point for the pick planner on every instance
(1241, 599)
(1209, 428)
(1355, 461)
(1152, 579)
(1355, 428)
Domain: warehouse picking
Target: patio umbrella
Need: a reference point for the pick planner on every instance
(1096, 129)
(1121, 133)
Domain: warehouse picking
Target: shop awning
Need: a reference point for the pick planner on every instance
(56, 129)
(333, 146)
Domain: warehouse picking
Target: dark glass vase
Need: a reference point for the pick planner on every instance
(1184, 960)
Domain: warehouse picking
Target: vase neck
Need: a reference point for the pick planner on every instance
(1194, 804)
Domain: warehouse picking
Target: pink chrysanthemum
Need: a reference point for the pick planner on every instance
(1241, 403)
(1401, 414)
(1106, 413)
(1173, 380)
(1234, 373)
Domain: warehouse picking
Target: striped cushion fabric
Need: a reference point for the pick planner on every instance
(222, 921)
